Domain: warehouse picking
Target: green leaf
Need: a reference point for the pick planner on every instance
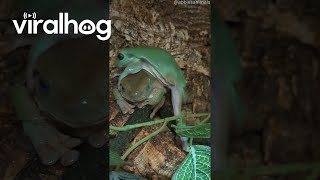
(198, 131)
(124, 175)
(196, 165)
(115, 159)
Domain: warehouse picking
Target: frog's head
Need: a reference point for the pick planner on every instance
(125, 57)
(135, 93)
(137, 87)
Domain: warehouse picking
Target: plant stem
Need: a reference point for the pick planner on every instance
(150, 123)
(206, 119)
(143, 140)
(190, 142)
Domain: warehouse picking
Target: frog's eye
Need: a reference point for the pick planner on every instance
(120, 56)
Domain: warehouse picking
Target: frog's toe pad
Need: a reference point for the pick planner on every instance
(70, 142)
(126, 108)
(48, 156)
(69, 157)
(58, 148)
(141, 105)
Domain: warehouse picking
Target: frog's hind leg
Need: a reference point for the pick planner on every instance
(157, 107)
(123, 104)
(50, 144)
(177, 99)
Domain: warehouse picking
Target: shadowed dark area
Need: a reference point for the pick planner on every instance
(279, 50)
(18, 159)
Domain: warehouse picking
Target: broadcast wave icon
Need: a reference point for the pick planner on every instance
(27, 15)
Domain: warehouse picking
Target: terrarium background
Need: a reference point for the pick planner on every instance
(279, 45)
(182, 30)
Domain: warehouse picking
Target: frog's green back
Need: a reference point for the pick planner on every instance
(164, 63)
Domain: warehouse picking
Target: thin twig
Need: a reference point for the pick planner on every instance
(143, 140)
(150, 123)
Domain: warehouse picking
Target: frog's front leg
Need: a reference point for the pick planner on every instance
(157, 100)
(177, 97)
(157, 107)
(131, 69)
(123, 104)
(50, 144)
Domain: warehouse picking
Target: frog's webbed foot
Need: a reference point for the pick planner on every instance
(123, 104)
(50, 144)
(143, 104)
(125, 107)
(97, 140)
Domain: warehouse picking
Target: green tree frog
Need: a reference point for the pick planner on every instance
(140, 89)
(70, 86)
(161, 65)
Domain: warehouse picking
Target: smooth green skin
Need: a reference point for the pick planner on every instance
(140, 89)
(160, 64)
